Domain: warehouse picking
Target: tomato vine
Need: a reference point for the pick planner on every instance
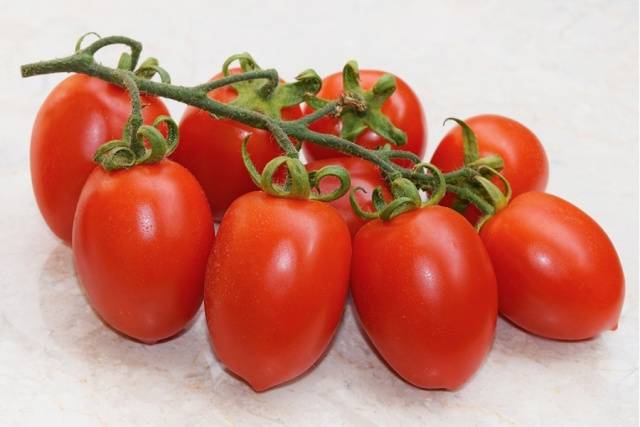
(83, 61)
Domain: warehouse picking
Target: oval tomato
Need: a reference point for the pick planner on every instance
(403, 108)
(276, 285)
(211, 149)
(78, 116)
(525, 161)
(363, 174)
(426, 295)
(558, 273)
(141, 239)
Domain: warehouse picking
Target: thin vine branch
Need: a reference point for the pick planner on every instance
(83, 62)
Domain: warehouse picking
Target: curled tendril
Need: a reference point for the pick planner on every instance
(115, 155)
(406, 196)
(357, 208)
(173, 135)
(296, 184)
(247, 63)
(84, 36)
(441, 184)
(150, 67)
(130, 151)
(335, 171)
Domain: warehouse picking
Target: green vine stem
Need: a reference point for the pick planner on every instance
(82, 61)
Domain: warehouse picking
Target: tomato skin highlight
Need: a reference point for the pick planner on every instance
(525, 162)
(80, 114)
(426, 295)
(363, 174)
(211, 149)
(403, 109)
(141, 240)
(276, 285)
(559, 275)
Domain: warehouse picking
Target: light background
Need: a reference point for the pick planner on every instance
(568, 70)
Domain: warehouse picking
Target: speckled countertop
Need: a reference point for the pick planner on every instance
(566, 69)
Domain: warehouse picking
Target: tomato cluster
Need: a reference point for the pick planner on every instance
(427, 286)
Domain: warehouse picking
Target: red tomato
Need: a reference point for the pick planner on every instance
(78, 116)
(525, 161)
(141, 238)
(363, 174)
(276, 285)
(211, 150)
(558, 274)
(403, 108)
(426, 295)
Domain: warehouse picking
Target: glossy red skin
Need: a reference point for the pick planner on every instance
(525, 161)
(141, 240)
(211, 150)
(78, 116)
(272, 300)
(426, 295)
(403, 108)
(363, 174)
(559, 275)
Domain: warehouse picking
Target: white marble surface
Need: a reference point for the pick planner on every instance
(567, 69)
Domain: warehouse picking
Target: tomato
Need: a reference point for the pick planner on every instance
(211, 149)
(403, 108)
(525, 161)
(275, 288)
(141, 238)
(78, 116)
(425, 293)
(363, 174)
(558, 273)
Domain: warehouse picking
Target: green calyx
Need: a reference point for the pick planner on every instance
(476, 177)
(270, 97)
(362, 109)
(298, 183)
(139, 144)
(406, 196)
(131, 149)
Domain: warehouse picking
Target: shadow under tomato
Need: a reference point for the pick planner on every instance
(512, 340)
(77, 331)
(297, 379)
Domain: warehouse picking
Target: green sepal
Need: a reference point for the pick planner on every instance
(315, 102)
(493, 161)
(377, 199)
(131, 150)
(441, 186)
(460, 205)
(396, 207)
(363, 109)
(497, 199)
(469, 141)
(149, 68)
(402, 187)
(114, 155)
(265, 97)
(125, 62)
